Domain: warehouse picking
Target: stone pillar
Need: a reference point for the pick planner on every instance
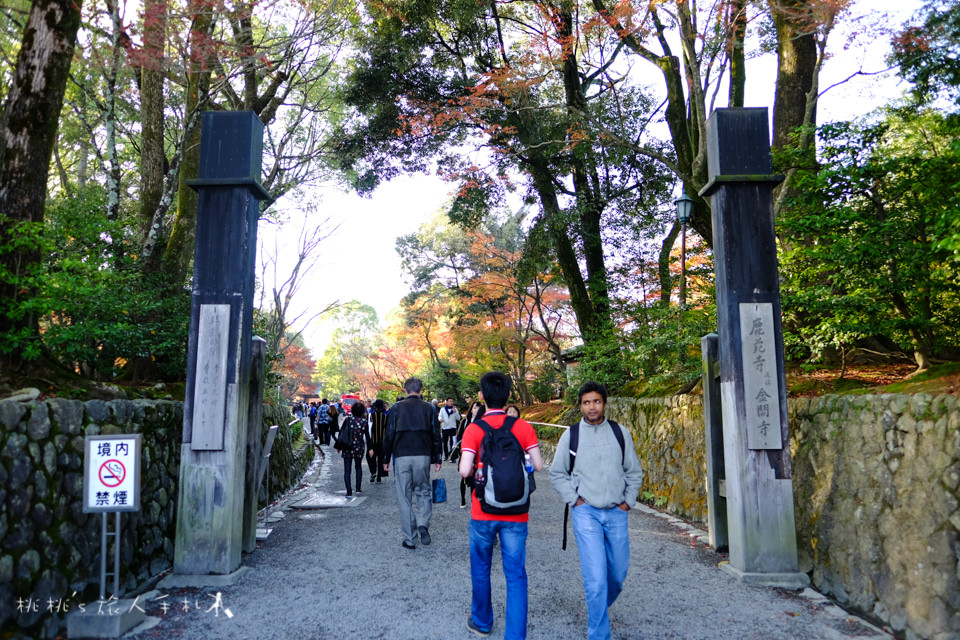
(759, 489)
(216, 408)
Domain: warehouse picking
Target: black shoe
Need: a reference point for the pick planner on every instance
(424, 535)
(359, 492)
(408, 546)
(477, 630)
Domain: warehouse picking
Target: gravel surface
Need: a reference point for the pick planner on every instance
(341, 573)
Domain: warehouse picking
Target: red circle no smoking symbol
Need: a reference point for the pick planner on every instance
(112, 473)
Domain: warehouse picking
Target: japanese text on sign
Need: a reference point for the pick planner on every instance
(111, 479)
(761, 394)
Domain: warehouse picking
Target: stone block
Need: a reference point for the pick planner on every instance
(15, 446)
(19, 472)
(67, 415)
(898, 403)
(97, 411)
(50, 458)
(38, 426)
(108, 621)
(28, 565)
(6, 569)
(41, 516)
(12, 414)
(41, 489)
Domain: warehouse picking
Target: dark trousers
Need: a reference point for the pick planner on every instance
(323, 432)
(449, 435)
(347, 464)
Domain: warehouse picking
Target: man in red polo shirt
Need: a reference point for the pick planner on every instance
(485, 527)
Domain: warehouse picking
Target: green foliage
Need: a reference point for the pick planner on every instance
(21, 238)
(927, 53)
(866, 240)
(440, 380)
(545, 386)
(102, 315)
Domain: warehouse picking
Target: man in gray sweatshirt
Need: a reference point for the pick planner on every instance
(600, 488)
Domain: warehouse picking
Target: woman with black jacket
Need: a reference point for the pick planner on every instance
(378, 427)
(474, 413)
(359, 444)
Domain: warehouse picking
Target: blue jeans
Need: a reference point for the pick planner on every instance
(513, 552)
(603, 539)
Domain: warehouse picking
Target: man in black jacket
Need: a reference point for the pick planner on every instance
(413, 438)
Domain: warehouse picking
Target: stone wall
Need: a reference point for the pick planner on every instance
(50, 550)
(671, 444)
(878, 508)
(877, 496)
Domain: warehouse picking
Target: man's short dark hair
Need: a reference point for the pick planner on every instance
(589, 386)
(413, 385)
(496, 389)
(325, 401)
(449, 397)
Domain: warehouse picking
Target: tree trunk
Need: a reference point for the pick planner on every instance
(153, 160)
(663, 265)
(179, 253)
(566, 255)
(588, 198)
(796, 67)
(31, 116)
(736, 34)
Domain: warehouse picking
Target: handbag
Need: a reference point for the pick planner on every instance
(344, 441)
(439, 490)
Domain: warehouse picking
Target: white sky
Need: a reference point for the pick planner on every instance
(360, 260)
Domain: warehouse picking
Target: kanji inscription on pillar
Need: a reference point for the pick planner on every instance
(761, 394)
(209, 396)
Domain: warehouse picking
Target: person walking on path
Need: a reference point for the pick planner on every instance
(323, 422)
(486, 527)
(600, 483)
(473, 413)
(378, 429)
(413, 439)
(356, 425)
(449, 418)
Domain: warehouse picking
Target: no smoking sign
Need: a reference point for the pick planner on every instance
(112, 473)
(111, 478)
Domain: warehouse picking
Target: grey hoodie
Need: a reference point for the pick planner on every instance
(598, 475)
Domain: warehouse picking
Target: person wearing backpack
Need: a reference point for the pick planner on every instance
(597, 473)
(500, 454)
(323, 423)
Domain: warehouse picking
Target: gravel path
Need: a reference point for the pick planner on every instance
(341, 574)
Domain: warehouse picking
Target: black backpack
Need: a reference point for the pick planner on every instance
(506, 485)
(574, 444)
